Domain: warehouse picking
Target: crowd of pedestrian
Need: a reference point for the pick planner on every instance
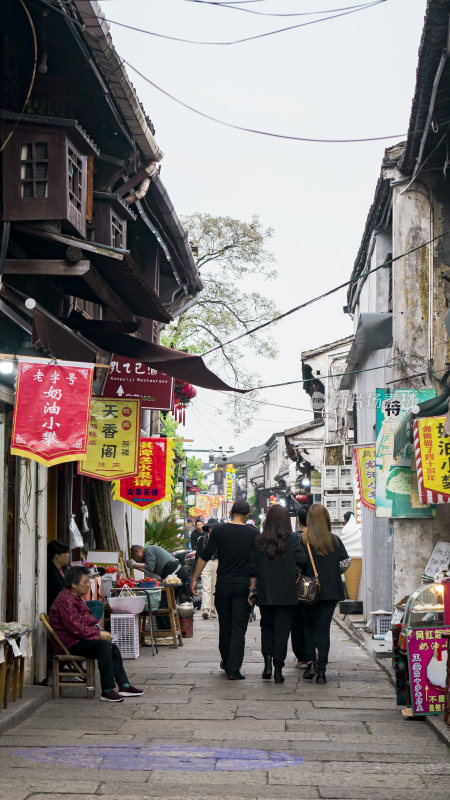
(263, 568)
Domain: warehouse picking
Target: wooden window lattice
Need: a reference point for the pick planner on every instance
(34, 170)
(75, 168)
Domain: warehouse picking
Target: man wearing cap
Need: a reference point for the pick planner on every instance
(209, 574)
(233, 542)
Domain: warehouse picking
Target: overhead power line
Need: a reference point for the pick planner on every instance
(325, 294)
(236, 7)
(246, 38)
(255, 130)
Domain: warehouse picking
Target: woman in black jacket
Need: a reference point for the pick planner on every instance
(327, 552)
(273, 563)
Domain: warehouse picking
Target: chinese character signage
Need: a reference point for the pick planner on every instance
(432, 448)
(397, 490)
(202, 506)
(230, 483)
(365, 472)
(51, 410)
(427, 661)
(153, 483)
(128, 378)
(113, 439)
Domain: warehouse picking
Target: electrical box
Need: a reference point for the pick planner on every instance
(330, 478)
(332, 504)
(345, 504)
(345, 478)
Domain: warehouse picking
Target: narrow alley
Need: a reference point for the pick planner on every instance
(195, 734)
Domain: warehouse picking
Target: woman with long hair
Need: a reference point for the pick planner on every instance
(327, 551)
(273, 578)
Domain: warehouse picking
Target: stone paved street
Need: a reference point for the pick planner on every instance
(352, 737)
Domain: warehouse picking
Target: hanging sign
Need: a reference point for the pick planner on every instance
(397, 489)
(432, 449)
(230, 483)
(113, 439)
(154, 482)
(365, 472)
(129, 378)
(51, 410)
(427, 662)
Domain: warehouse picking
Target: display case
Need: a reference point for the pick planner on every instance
(420, 652)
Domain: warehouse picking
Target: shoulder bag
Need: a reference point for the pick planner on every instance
(308, 589)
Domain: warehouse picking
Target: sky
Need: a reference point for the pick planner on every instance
(349, 77)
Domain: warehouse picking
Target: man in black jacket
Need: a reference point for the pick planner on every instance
(234, 542)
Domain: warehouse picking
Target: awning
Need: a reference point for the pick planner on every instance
(184, 366)
(374, 332)
(434, 407)
(54, 337)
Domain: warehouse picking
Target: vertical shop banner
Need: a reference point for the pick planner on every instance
(154, 482)
(113, 439)
(427, 662)
(230, 483)
(51, 410)
(432, 449)
(397, 489)
(129, 378)
(365, 472)
(202, 506)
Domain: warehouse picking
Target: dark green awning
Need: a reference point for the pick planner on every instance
(429, 408)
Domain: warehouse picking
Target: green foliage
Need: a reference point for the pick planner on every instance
(195, 471)
(166, 533)
(231, 254)
(169, 428)
(254, 508)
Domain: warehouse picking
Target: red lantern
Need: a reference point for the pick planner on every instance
(302, 498)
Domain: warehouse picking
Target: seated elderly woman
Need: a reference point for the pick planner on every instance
(71, 619)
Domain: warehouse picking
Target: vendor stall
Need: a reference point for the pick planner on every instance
(420, 652)
(13, 651)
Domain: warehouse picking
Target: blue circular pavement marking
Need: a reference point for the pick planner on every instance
(160, 757)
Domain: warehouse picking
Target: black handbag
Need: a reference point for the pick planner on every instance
(308, 589)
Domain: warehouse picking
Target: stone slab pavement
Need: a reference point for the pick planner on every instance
(194, 734)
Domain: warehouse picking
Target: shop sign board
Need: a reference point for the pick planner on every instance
(365, 473)
(113, 439)
(153, 483)
(439, 560)
(129, 378)
(51, 410)
(397, 490)
(427, 662)
(432, 450)
(230, 483)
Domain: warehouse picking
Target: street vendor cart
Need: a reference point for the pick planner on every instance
(420, 651)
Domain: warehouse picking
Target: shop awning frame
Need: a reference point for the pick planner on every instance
(374, 332)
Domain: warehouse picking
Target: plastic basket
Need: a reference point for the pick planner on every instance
(383, 624)
(127, 605)
(125, 633)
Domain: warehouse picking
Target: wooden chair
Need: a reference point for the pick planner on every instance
(63, 677)
(172, 613)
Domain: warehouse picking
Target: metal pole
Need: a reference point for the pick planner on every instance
(184, 495)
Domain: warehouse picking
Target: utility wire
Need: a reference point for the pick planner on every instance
(236, 7)
(325, 294)
(322, 377)
(253, 130)
(246, 38)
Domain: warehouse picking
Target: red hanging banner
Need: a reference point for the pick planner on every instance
(153, 484)
(51, 411)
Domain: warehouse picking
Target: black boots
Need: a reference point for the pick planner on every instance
(310, 671)
(267, 672)
(278, 675)
(321, 677)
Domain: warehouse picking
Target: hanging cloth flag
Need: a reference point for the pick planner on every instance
(51, 410)
(365, 473)
(113, 440)
(153, 483)
(432, 449)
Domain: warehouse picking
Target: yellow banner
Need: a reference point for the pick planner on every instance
(435, 454)
(365, 470)
(113, 439)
